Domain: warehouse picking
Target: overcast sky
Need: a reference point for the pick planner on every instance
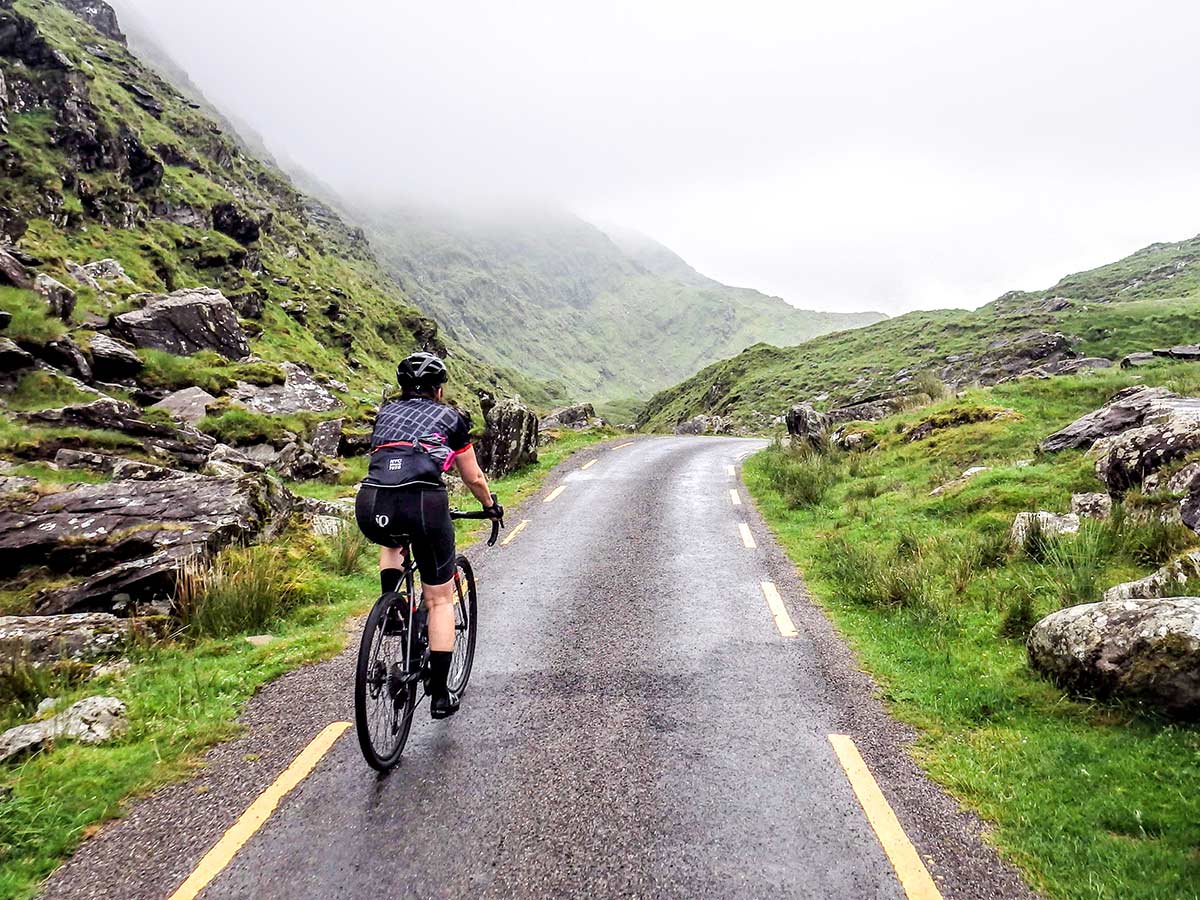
(864, 155)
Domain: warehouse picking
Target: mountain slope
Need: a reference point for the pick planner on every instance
(101, 157)
(1149, 299)
(561, 299)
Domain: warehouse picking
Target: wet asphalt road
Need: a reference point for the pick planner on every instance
(635, 726)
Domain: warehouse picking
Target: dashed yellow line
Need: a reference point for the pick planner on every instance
(554, 493)
(914, 877)
(222, 853)
(587, 465)
(783, 621)
(735, 497)
(623, 446)
(512, 535)
(730, 471)
(747, 537)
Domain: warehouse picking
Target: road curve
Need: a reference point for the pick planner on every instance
(635, 726)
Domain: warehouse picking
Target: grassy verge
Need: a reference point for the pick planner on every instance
(185, 695)
(1091, 801)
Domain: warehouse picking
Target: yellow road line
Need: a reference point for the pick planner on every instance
(512, 535)
(914, 877)
(222, 853)
(623, 446)
(730, 471)
(775, 604)
(747, 537)
(735, 497)
(554, 493)
(587, 465)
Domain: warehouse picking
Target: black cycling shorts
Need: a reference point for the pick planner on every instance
(387, 515)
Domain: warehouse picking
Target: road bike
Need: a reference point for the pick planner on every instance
(392, 675)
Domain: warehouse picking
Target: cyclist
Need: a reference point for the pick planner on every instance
(416, 440)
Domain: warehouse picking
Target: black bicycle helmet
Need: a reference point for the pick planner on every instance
(421, 370)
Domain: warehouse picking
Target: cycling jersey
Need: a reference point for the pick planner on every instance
(415, 442)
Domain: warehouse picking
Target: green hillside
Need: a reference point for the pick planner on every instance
(1149, 299)
(103, 158)
(560, 299)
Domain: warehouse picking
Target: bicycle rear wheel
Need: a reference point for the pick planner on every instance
(465, 609)
(385, 695)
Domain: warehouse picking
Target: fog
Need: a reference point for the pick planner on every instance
(867, 155)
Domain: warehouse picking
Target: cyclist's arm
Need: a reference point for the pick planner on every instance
(473, 477)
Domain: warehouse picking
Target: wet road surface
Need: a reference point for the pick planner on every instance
(635, 726)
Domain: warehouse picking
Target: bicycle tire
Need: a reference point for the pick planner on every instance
(374, 690)
(466, 627)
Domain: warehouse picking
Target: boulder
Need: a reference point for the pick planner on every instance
(1134, 360)
(354, 443)
(327, 437)
(300, 392)
(116, 466)
(1187, 352)
(806, 425)
(99, 15)
(64, 354)
(1070, 367)
(96, 275)
(703, 424)
(510, 436)
(223, 453)
(13, 272)
(13, 358)
(59, 298)
(959, 481)
(1170, 431)
(1009, 357)
(1092, 506)
(112, 360)
(1141, 650)
(298, 462)
(185, 322)
(182, 444)
(1167, 580)
(235, 223)
(1182, 481)
(1126, 409)
(870, 411)
(189, 405)
(5, 319)
(81, 637)
(91, 721)
(1050, 525)
(16, 484)
(577, 416)
(129, 537)
(852, 439)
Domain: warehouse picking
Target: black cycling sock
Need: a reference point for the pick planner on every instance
(389, 579)
(439, 670)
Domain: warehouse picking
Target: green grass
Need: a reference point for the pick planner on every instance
(42, 390)
(185, 695)
(1091, 801)
(31, 319)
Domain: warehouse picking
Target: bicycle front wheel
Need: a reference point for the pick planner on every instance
(385, 693)
(465, 609)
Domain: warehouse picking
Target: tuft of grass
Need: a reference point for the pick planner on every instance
(240, 427)
(347, 551)
(802, 475)
(244, 590)
(31, 319)
(930, 385)
(41, 390)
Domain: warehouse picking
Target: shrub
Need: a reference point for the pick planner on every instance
(346, 551)
(802, 476)
(243, 591)
(929, 384)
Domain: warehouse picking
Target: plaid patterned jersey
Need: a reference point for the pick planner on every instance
(442, 430)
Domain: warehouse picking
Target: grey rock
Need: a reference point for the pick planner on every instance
(99, 15)
(91, 721)
(337, 509)
(1141, 650)
(16, 484)
(703, 424)
(117, 466)
(806, 425)
(13, 358)
(1070, 366)
(1188, 352)
(223, 453)
(1092, 506)
(112, 360)
(236, 223)
(1182, 481)
(510, 436)
(189, 405)
(64, 354)
(300, 392)
(13, 272)
(1134, 360)
(1125, 410)
(99, 274)
(855, 440)
(871, 411)
(1167, 580)
(1170, 431)
(79, 637)
(577, 416)
(185, 322)
(1050, 524)
(59, 298)
(298, 462)
(327, 437)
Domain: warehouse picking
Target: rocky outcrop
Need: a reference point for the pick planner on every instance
(1126, 409)
(183, 445)
(91, 721)
(64, 354)
(1134, 360)
(116, 466)
(1007, 358)
(236, 223)
(1047, 524)
(1187, 352)
(99, 15)
(300, 392)
(806, 425)
(59, 298)
(1141, 650)
(510, 436)
(112, 360)
(185, 322)
(128, 537)
(99, 275)
(1169, 579)
(298, 462)
(13, 358)
(870, 411)
(327, 437)
(81, 637)
(580, 415)
(189, 405)
(1170, 431)
(956, 417)
(1069, 367)
(704, 425)
(1092, 506)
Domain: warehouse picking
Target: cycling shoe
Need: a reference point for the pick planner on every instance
(443, 706)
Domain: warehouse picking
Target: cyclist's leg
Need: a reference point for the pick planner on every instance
(434, 554)
(381, 517)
